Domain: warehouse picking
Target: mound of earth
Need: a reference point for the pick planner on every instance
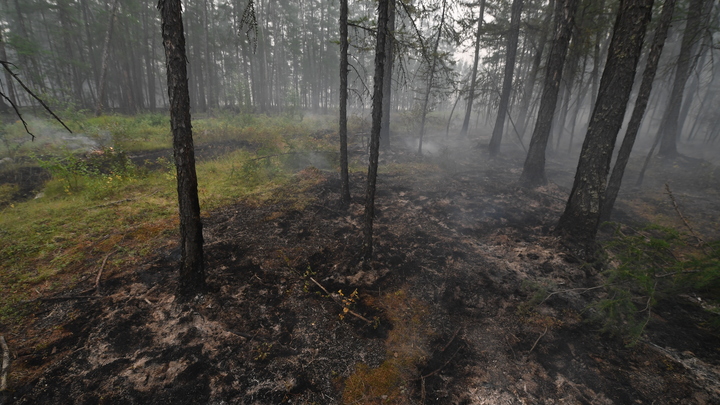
(442, 315)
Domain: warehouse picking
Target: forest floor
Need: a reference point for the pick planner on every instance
(444, 315)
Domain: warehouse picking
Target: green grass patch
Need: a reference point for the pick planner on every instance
(101, 204)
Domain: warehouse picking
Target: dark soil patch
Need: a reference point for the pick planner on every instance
(29, 180)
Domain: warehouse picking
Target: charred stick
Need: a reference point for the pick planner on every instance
(538, 339)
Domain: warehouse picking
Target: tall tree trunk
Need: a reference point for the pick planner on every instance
(90, 49)
(387, 78)
(104, 63)
(382, 24)
(149, 54)
(639, 111)
(569, 85)
(192, 269)
(580, 220)
(344, 178)
(524, 114)
(691, 35)
(473, 76)
(27, 60)
(584, 87)
(511, 52)
(534, 169)
(428, 88)
(8, 79)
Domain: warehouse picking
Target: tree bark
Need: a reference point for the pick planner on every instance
(511, 51)
(344, 178)
(639, 110)
(579, 223)
(534, 169)
(473, 77)
(387, 78)
(375, 129)
(192, 272)
(691, 35)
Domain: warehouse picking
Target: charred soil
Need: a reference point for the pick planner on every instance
(443, 315)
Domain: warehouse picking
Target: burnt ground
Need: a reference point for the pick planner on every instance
(444, 315)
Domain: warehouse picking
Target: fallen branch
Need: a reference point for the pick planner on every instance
(63, 298)
(538, 339)
(124, 200)
(5, 364)
(582, 290)
(452, 339)
(443, 366)
(292, 153)
(676, 272)
(99, 274)
(701, 243)
(337, 301)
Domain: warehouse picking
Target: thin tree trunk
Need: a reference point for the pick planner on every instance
(579, 223)
(473, 77)
(511, 51)
(428, 89)
(691, 35)
(569, 85)
(8, 78)
(638, 112)
(104, 64)
(192, 271)
(523, 118)
(578, 103)
(382, 24)
(149, 53)
(534, 169)
(345, 192)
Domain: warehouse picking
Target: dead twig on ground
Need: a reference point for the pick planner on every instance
(65, 298)
(5, 364)
(701, 242)
(538, 339)
(100, 272)
(292, 153)
(582, 290)
(441, 367)
(452, 339)
(337, 301)
(124, 200)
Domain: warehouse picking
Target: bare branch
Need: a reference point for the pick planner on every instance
(6, 65)
(17, 112)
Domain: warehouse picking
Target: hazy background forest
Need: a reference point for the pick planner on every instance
(107, 56)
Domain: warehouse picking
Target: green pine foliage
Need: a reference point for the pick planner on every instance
(647, 266)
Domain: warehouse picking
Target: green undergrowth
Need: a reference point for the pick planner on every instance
(100, 206)
(644, 267)
(652, 264)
